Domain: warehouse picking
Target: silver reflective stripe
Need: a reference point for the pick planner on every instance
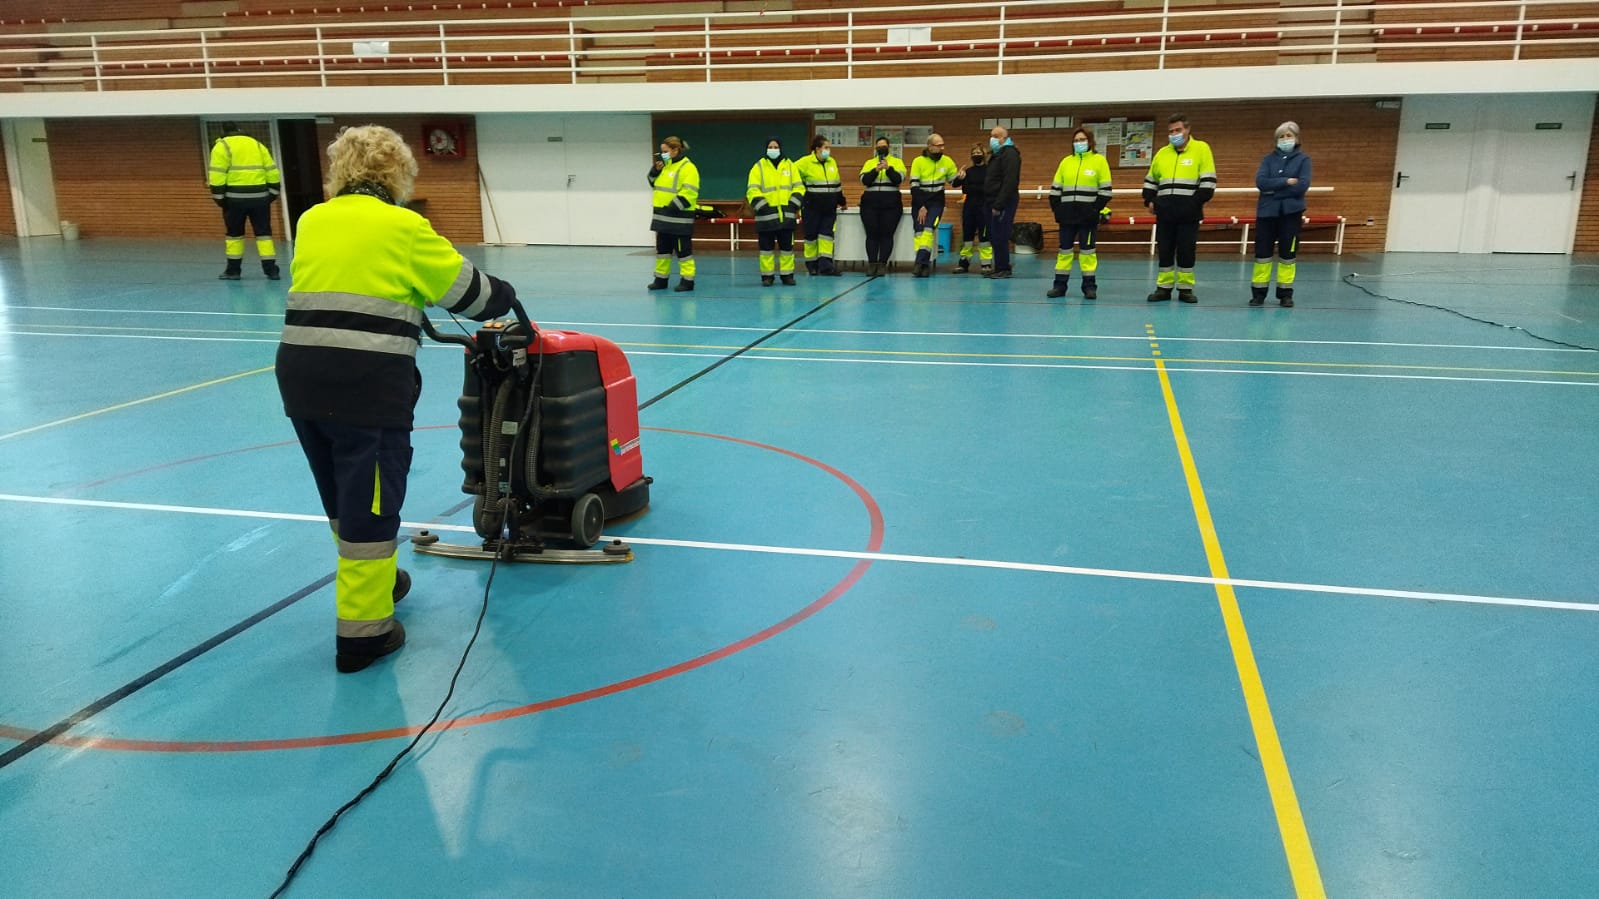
(888, 188)
(1175, 190)
(375, 628)
(665, 190)
(671, 219)
(366, 552)
(335, 301)
(459, 288)
(396, 344)
(823, 187)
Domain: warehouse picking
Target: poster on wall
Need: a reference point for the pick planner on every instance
(895, 135)
(1138, 144)
(1107, 134)
(917, 135)
(840, 135)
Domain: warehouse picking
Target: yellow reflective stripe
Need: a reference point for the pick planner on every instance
(377, 492)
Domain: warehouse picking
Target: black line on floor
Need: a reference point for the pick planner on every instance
(17, 752)
(749, 346)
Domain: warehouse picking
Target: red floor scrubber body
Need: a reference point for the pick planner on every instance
(549, 443)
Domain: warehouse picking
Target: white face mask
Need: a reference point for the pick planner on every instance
(1286, 144)
(666, 157)
(825, 153)
(1080, 146)
(773, 152)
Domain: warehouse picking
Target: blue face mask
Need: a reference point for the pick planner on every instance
(1177, 140)
(1287, 145)
(773, 152)
(826, 153)
(1080, 146)
(666, 157)
(993, 144)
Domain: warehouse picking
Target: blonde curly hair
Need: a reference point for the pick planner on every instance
(373, 154)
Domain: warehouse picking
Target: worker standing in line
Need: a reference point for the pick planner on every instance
(677, 193)
(1283, 179)
(824, 197)
(1080, 199)
(774, 194)
(244, 182)
(1002, 192)
(931, 172)
(974, 214)
(364, 269)
(881, 206)
(1181, 180)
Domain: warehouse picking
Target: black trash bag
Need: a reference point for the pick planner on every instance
(1028, 234)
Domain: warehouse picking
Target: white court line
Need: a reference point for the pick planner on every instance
(872, 557)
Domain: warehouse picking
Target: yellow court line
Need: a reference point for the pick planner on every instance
(1290, 820)
(148, 399)
(1086, 358)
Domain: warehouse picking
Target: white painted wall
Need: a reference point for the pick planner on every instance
(565, 179)
(33, 188)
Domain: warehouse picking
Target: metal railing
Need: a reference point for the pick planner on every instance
(957, 38)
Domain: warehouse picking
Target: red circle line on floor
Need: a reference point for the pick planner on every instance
(873, 544)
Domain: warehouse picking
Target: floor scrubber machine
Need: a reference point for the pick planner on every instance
(549, 443)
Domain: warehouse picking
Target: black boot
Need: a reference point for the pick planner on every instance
(402, 583)
(684, 285)
(233, 271)
(768, 280)
(355, 653)
(1257, 295)
(919, 270)
(269, 267)
(1090, 288)
(811, 268)
(786, 279)
(1185, 295)
(1058, 289)
(659, 284)
(962, 267)
(1285, 297)
(1161, 295)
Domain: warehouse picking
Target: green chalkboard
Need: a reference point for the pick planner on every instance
(724, 150)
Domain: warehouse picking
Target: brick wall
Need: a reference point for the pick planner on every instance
(8, 217)
(1588, 213)
(155, 186)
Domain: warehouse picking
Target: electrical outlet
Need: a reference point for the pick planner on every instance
(1370, 222)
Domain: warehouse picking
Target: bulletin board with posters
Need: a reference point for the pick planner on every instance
(1126, 144)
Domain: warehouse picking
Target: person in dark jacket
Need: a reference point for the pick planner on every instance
(881, 206)
(974, 214)
(1002, 191)
(1282, 180)
(364, 269)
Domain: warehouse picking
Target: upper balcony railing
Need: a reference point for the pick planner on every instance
(315, 48)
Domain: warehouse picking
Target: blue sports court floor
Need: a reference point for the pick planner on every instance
(946, 590)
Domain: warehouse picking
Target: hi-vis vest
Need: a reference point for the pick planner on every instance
(1081, 188)
(771, 184)
(677, 192)
(242, 169)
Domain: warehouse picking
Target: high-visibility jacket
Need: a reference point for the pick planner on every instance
(363, 272)
(929, 176)
(677, 193)
(821, 179)
(1081, 189)
(242, 169)
(1181, 182)
(882, 178)
(774, 194)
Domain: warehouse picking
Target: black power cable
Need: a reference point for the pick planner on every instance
(1350, 280)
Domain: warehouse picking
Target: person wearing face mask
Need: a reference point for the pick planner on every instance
(1002, 191)
(931, 172)
(824, 197)
(881, 207)
(1080, 199)
(774, 196)
(974, 214)
(1181, 180)
(1282, 180)
(677, 191)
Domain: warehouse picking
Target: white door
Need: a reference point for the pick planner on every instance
(523, 187)
(567, 180)
(609, 197)
(1543, 152)
(1432, 171)
(33, 186)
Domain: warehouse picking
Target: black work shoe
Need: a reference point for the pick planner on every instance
(811, 268)
(355, 653)
(1285, 296)
(1161, 295)
(1056, 292)
(1257, 296)
(832, 273)
(402, 583)
(786, 279)
(919, 270)
(683, 286)
(960, 269)
(1286, 302)
(659, 284)
(229, 275)
(1002, 273)
(768, 280)
(270, 269)
(1186, 296)
(1090, 289)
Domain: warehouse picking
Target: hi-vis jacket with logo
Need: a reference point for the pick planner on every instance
(1181, 182)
